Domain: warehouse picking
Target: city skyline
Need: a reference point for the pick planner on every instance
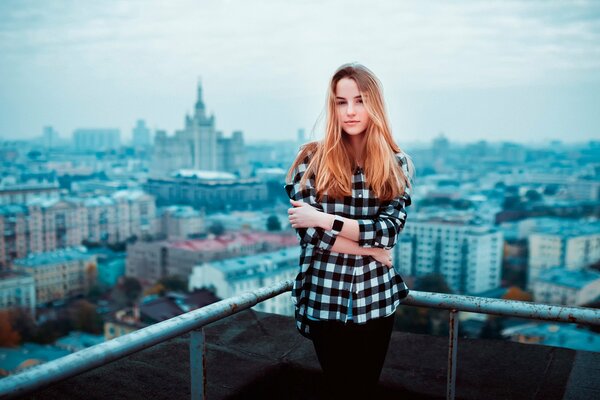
(496, 71)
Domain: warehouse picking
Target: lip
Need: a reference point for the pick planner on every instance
(351, 122)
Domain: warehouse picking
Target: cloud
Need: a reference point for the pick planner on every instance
(283, 52)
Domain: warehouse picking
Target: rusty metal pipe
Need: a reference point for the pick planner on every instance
(506, 308)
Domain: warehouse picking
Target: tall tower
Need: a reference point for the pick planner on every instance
(204, 136)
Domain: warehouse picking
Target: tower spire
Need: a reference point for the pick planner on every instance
(200, 110)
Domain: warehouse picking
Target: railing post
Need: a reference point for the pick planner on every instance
(198, 364)
(452, 350)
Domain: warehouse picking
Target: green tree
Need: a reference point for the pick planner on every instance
(217, 228)
(533, 195)
(273, 223)
(492, 329)
(22, 322)
(174, 283)
(432, 283)
(126, 292)
(9, 337)
(85, 318)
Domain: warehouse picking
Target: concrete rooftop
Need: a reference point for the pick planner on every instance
(253, 355)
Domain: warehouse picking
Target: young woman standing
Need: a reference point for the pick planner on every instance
(348, 194)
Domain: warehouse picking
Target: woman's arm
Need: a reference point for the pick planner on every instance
(347, 246)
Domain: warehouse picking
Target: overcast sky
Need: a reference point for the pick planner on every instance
(506, 70)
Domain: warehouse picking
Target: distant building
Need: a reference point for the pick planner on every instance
(77, 340)
(26, 356)
(122, 322)
(14, 232)
(199, 146)
(566, 287)
(155, 309)
(301, 136)
(44, 225)
(552, 334)
(208, 190)
(17, 290)
(151, 261)
(468, 255)
(140, 135)
(110, 271)
(564, 242)
(179, 222)
(50, 138)
(234, 276)
(59, 274)
(22, 193)
(97, 139)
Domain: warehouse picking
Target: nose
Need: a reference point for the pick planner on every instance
(350, 109)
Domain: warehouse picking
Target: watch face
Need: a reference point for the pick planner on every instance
(338, 224)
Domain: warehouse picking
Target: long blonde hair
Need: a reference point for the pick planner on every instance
(330, 160)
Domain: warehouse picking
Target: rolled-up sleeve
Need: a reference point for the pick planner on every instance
(317, 237)
(383, 230)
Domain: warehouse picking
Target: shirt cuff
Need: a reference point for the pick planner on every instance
(366, 232)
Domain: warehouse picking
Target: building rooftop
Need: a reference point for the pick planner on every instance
(180, 211)
(77, 340)
(570, 278)
(10, 209)
(28, 355)
(564, 227)
(241, 264)
(53, 257)
(224, 242)
(560, 335)
(9, 274)
(203, 175)
(254, 355)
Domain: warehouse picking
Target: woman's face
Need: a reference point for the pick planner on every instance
(351, 111)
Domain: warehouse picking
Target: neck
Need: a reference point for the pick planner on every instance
(357, 143)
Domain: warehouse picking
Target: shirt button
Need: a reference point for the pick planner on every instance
(360, 195)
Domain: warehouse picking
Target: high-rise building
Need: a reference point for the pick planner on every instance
(234, 276)
(59, 274)
(17, 290)
(468, 255)
(561, 242)
(198, 146)
(97, 139)
(50, 137)
(301, 137)
(140, 135)
(44, 225)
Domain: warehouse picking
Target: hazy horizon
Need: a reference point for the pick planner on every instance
(475, 70)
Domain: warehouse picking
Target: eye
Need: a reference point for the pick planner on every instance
(340, 102)
(359, 101)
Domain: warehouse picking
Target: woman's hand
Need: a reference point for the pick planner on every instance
(383, 256)
(303, 215)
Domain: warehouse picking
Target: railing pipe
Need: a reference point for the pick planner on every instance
(452, 352)
(43, 375)
(68, 366)
(507, 308)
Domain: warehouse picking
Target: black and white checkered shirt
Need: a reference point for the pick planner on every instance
(326, 279)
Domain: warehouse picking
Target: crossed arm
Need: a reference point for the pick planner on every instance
(372, 237)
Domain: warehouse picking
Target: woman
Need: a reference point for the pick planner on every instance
(348, 194)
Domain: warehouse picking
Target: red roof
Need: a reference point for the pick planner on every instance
(226, 241)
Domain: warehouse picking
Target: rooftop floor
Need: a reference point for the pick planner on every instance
(253, 355)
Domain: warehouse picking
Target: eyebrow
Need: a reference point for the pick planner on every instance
(343, 98)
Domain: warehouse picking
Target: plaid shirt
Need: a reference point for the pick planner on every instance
(326, 278)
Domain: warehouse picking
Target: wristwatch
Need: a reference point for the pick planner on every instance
(338, 224)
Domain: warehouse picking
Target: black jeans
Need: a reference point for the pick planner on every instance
(351, 355)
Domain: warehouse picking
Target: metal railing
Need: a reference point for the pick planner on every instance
(46, 374)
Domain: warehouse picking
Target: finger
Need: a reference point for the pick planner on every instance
(296, 203)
